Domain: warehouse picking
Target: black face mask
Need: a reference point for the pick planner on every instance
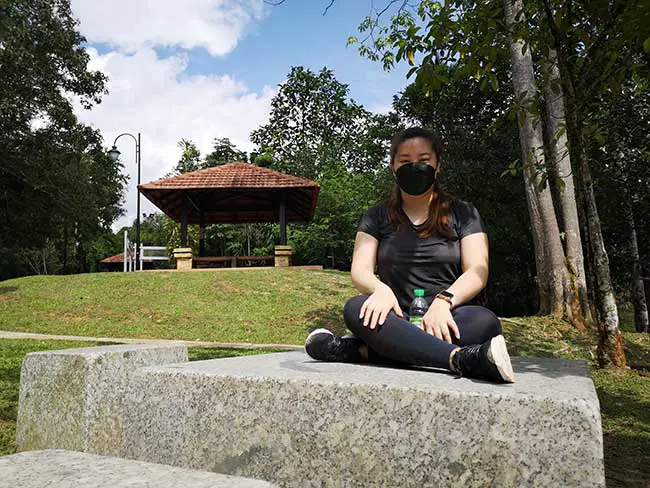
(415, 178)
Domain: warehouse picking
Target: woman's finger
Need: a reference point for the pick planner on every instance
(363, 308)
(437, 332)
(374, 318)
(368, 312)
(444, 332)
(398, 310)
(382, 316)
(454, 327)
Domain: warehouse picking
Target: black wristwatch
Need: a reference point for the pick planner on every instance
(446, 296)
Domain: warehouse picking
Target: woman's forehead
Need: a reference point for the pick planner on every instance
(417, 145)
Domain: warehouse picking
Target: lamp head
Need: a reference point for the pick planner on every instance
(114, 154)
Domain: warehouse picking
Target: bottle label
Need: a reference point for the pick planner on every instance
(416, 321)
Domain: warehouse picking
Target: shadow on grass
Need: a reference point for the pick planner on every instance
(626, 460)
(7, 289)
(330, 318)
(637, 351)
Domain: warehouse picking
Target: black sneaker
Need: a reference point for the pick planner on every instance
(487, 361)
(322, 345)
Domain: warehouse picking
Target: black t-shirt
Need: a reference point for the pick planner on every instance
(406, 262)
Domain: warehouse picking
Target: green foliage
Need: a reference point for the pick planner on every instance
(190, 158)
(224, 152)
(59, 192)
(622, 175)
(314, 126)
(315, 131)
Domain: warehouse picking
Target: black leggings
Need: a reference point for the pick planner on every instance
(398, 340)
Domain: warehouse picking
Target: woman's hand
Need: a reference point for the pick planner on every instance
(439, 322)
(378, 305)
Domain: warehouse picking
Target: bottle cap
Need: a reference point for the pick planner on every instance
(418, 293)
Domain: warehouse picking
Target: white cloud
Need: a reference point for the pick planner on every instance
(154, 96)
(130, 25)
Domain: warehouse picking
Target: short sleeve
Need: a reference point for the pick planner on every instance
(468, 220)
(370, 222)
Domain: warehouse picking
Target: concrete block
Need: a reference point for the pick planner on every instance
(283, 256)
(183, 256)
(287, 419)
(68, 469)
(73, 398)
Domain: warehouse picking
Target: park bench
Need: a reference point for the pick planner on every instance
(287, 419)
(56, 468)
(232, 261)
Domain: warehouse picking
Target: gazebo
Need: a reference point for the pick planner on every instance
(232, 194)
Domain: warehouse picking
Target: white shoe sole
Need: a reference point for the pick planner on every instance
(498, 354)
(314, 333)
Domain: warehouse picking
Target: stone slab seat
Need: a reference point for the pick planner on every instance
(74, 398)
(68, 469)
(287, 419)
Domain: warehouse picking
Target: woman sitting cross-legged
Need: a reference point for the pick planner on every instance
(419, 239)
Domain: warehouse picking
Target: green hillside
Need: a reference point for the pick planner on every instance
(258, 306)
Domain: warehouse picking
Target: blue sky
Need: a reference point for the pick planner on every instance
(201, 69)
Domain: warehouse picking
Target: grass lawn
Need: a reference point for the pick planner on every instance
(257, 306)
(282, 306)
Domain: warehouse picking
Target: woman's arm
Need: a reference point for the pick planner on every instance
(474, 263)
(364, 259)
(438, 320)
(381, 299)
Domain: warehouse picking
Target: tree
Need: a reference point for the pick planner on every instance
(224, 152)
(190, 158)
(59, 192)
(314, 126)
(315, 131)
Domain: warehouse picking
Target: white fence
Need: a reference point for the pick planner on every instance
(146, 253)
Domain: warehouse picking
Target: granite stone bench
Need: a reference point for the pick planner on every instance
(287, 419)
(73, 398)
(68, 469)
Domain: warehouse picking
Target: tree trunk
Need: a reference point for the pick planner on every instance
(610, 344)
(638, 292)
(577, 295)
(546, 233)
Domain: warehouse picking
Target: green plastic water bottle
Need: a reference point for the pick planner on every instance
(418, 308)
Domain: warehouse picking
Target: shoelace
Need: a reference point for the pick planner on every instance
(465, 356)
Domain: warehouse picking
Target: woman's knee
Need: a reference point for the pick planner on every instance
(481, 323)
(351, 311)
(489, 321)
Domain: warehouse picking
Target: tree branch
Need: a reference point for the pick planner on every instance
(328, 7)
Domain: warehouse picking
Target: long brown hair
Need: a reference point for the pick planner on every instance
(438, 219)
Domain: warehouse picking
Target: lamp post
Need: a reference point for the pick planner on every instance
(114, 154)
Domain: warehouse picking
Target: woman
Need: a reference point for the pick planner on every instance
(419, 239)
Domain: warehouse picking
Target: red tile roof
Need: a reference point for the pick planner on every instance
(119, 258)
(232, 175)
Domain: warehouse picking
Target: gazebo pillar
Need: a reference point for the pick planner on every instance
(202, 233)
(184, 219)
(283, 219)
(183, 254)
(283, 252)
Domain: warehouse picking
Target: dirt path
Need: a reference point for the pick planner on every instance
(234, 345)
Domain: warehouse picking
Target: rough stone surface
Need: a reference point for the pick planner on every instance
(73, 398)
(285, 418)
(68, 469)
